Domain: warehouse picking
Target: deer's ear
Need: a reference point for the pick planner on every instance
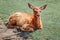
(43, 7)
(30, 6)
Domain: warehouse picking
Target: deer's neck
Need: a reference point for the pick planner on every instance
(35, 19)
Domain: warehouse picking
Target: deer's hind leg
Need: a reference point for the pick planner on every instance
(11, 23)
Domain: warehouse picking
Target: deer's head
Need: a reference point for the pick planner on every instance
(37, 10)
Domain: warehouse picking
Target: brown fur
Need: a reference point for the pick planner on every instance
(26, 22)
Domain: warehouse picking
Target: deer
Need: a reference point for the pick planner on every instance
(25, 21)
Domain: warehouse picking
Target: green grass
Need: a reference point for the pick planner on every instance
(50, 16)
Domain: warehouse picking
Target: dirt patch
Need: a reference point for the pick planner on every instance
(12, 34)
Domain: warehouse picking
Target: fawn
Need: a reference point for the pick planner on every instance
(27, 22)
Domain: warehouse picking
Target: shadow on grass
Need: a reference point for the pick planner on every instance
(25, 35)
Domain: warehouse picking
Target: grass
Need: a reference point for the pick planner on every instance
(50, 16)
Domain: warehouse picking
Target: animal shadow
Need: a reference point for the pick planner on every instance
(25, 35)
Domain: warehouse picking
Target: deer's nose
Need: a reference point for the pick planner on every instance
(38, 15)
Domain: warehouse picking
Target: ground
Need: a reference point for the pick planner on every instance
(50, 16)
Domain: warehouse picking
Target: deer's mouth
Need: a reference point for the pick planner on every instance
(38, 15)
